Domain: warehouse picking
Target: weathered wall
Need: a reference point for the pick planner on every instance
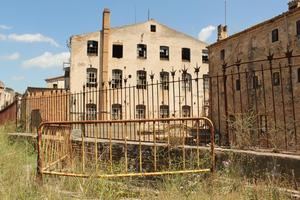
(9, 113)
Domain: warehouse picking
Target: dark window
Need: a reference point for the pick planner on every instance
(238, 84)
(91, 111)
(153, 28)
(117, 51)
(186, 54)
(164, 52)
(204, 56)
(140, 111)
(276, 78)
(92, 48)
(222, 54)
(164, 111)
(54, 85)
(255, 82)
(275, 35)
(142, 51)
(116, 81)
(164, 79)
(298, 27)
(298, 70)
(186, 81)
(141, 76)
(186, 111)
(91, 79)
(116, 111)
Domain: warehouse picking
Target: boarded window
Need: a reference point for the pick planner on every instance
(164, 79)
(164, 52)
(186, 111)
(186, 54)
(276, 78)
(116, 81)
(117, 51)
(91, 79)
(92, 48)
(140, 111)
(142, 51)
(275, 35)
(141, 76)
(116, 111)
(91, 111)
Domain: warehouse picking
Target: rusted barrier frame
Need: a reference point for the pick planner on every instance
(40, 171)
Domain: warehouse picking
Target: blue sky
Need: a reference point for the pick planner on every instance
(33, 33)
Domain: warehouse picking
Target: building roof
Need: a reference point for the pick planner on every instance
(290, 12)
(57, 78)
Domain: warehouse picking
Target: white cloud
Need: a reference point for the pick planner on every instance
(206, 32)
(13, 56)
(4, 27)
(2, 37)
(47, 60)
(30, 38)
(18, 78)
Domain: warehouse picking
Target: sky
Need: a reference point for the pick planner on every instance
(34, 33)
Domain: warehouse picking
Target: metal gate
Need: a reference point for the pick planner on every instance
(126, 148)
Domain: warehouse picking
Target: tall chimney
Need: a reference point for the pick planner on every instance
(294, 4)
(103, 57)
(222, 32)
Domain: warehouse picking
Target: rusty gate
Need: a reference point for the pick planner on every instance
(126, 148)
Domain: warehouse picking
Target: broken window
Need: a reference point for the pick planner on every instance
(275, 35)
(55, 85)
(186, 81)
(164, 79)
(91, 111)
(117, 51)
(92, 48)
(91, 80)
(205, 56)
(116, 81)
(140, 111)
(186, 54)
(153, 28)
(142, 51)
(164, 111)
(298, 27)
(186, 111)
(276, 79)
(238, 84)
(116, 111)
(164, 53)
(141, 79)
(222, 54)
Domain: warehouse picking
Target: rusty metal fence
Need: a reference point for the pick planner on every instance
(162, 146)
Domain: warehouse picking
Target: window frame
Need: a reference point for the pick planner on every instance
(140, 115)
(141, 78)
(164, 53)
(186, 54)
(153, 28)
(116, 111)
(205, 58)
(92, 51)
(91, 81)
(164, 111)
(164, 80)
(186, 81)
(91, 111)
(115, 51)
(116, 79)
(142, 51)
(275, 35)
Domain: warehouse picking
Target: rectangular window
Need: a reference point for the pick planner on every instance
(222, 54)
(186, 81)
(238, 84)
(141, 79)
(164, 111)
(54, 85)
(117, 51)
(205, 56)
(164, 79)
(276, 79)
(255, 82)
(92, 48)
(153, 28)
(275, 35)
(91, 77)
(116, 81)
(186, 54)
(91, 111)
(298, 27)
(140, 111)
(116, 112)
(164, 52)
(186, 111)
(142, 51)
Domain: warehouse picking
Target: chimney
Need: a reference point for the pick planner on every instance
(222, 32)
(294, 4)
(103, 58)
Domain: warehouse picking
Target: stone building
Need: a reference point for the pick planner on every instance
(7, 96)
(60, 82)
(256, 72)
(135, 56)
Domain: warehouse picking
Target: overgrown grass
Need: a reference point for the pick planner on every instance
(17, 181)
